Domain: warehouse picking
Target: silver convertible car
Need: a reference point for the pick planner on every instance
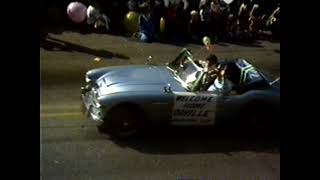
(124, 100)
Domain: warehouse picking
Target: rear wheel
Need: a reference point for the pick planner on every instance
(123, 121)
(259, 118)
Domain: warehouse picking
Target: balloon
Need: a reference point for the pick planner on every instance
(162, 24)
(228, 1)
(195, 17)
(206, 40)
(77, 12)
(131, 22)
(194, 12)
(97, 59)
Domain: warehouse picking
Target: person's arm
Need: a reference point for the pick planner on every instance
(140, 22)
(255, 6)
(274, 12)
(107, 20)
(277, 10)
(240, 12)
(271, 17)
(166, 3)
(186, 4)
(202, 3)
(201, 15)
(240, 9)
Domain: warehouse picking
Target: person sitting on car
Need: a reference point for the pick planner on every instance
(221, 84)
(215, 78)
(211, 69)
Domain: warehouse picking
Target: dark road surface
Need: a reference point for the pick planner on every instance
(72, 148)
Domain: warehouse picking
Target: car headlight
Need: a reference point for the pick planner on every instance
(97, 112)
(88, 80)
(98, 105)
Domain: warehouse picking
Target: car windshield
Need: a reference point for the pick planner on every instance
(185, 69)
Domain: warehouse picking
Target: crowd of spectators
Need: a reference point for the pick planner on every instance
(221, 20)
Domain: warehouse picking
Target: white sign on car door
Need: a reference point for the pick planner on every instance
(194, 108)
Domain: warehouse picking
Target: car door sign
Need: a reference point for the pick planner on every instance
(194, 107)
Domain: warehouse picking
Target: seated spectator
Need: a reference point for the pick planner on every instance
(158, 12)
(258, 19)
(207, 28)
(98, 19)
(175, 17)
(243, 16)
(116, 11)
(262, 23)
(146, 24)
(176, 2)
(274, 23)
(220, 13)
(182, 20)
(216, 13)
(194, 24)
(254, 19)
(133, 5)
(232, 27)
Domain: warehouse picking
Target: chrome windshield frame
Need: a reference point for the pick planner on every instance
(189, 58)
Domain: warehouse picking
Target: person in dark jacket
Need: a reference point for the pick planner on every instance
(146, 24)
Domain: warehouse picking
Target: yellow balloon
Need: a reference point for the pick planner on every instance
(131, 22)
(162, 25)
(206, 40)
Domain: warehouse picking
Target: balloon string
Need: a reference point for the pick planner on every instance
(205, 48)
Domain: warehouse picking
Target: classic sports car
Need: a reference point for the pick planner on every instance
(125, 99)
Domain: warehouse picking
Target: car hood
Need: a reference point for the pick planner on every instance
(137, 78)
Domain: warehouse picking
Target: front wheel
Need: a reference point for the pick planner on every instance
(124, 121)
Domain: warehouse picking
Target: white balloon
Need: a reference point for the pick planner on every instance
(228, 1)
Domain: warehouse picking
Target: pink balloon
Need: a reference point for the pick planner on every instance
(77, 12)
